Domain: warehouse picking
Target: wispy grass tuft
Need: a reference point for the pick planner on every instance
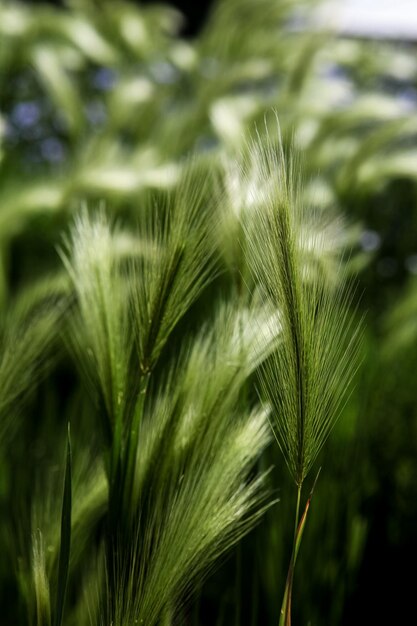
(28, 332)
(182, 447)
(192, 496)
(307, 379)
(178, 261)
(100, 330)
(39, 569)
(195, 497)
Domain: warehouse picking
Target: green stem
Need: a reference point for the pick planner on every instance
(297, 514)
(285, 614)
(300, 522)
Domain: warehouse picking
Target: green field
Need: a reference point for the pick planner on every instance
(208, 319)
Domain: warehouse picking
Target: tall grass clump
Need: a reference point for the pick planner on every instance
(178, 446)
(169, 323)
(28, 341)
(306, 380)
(167, 318)
(164, 312)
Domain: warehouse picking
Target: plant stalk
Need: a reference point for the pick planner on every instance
(285, 614)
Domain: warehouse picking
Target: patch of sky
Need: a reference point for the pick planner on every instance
(328, 69)
(408, 98)
(104, 79)
(52, 150)
(342, 92)
(370, 240)
(26, 114)
(370, 18)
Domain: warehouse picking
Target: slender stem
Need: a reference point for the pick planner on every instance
(297, 514)
(300, 522)
(285, 614)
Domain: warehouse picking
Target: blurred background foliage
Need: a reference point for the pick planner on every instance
(103, 101)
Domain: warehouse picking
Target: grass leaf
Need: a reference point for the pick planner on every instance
(65, 548)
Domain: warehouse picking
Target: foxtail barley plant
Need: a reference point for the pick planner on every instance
(169, 484)
(227, 279)
(195, 311)
(307, 378)
(178, 448)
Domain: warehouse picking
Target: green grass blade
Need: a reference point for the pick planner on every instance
(64, 553)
